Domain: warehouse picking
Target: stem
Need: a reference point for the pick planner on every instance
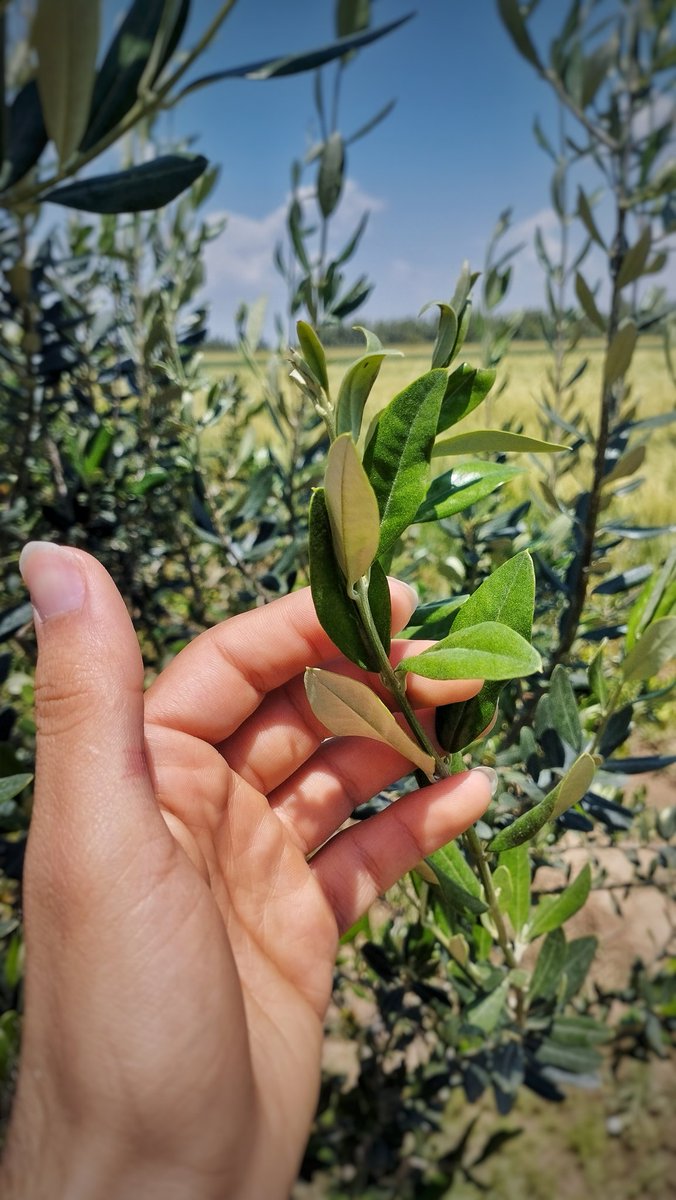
(445, 771)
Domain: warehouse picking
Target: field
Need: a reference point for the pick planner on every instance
(524, 376)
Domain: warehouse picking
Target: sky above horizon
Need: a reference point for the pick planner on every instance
(457, 149)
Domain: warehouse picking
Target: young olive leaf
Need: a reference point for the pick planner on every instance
(466, 388)
(564, 708)
(447, 332)
(357, 382)
(486, 1014)
(554, 911)
(486, 651)
(651, 600)
(620, 353)
(352, 509)
(588, 303)
(141, 188)
(462, 486)
(626, 465)
(508, 596)
(517, 862)
(568, 791)
(398, 455)
(460, 888)
(313, 352)
(493, 441)
(336, 612)
(350, 709)
(635, 259)
(331, 174)
(549, 967)
(652, 651)
(66, 38)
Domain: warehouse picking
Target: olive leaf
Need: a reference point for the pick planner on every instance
(350, 709)
(568, 791)
(493, 441)
(352, 509)
(313, 352)
(485, 651)
(398, 455)
(336, 612)
(66, 38)
(508, 596)
(357, 382)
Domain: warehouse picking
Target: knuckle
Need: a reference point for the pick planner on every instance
(64, 703)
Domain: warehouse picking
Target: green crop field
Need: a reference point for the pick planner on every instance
(519, 386)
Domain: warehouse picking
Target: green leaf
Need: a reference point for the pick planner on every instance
(294, 64)
(462, 486)
(492, 441)
(564, 708)
(653, 650)
(331, 174)
(139, 189)
(585, 214)
(352, 16)
(398, 455)
(577, 1060)
(635, 259)
(597, 679)
(554, 911)
(549, 967)
(620, 353)
(486, 1014)
(502, 884)
(337, 613)
(313, 353)
(508, 596)
(579, 958)
(588, 303)
(117, 82)
(352, 509)
(66, 38)
(516, 27)
(574, 785)
(447, 330)
(356, 385)
(350, 709)
(568, 791)
(517, 862)
(11, 785)
(649, 603)
(27, 136)
(486, 651)
(626, 465)
(467, 387)
(460, 888)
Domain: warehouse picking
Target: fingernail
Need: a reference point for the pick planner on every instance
(53, 578)
(491, 776)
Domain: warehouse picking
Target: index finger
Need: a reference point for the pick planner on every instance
(219, 680)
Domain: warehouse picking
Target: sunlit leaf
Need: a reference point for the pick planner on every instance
(65, 35)
(485, 651)
(350, 709)
(655, 648)
(352, 509)
(493, 441)
(398, 454)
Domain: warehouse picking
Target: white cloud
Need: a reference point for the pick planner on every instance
(239, 263)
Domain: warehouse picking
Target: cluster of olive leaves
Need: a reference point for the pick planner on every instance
(368, 501)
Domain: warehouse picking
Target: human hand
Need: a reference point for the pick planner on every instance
(180, 944)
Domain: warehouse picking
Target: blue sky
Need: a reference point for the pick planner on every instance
(457, 149)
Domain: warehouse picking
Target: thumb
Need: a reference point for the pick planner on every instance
(93, 791)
